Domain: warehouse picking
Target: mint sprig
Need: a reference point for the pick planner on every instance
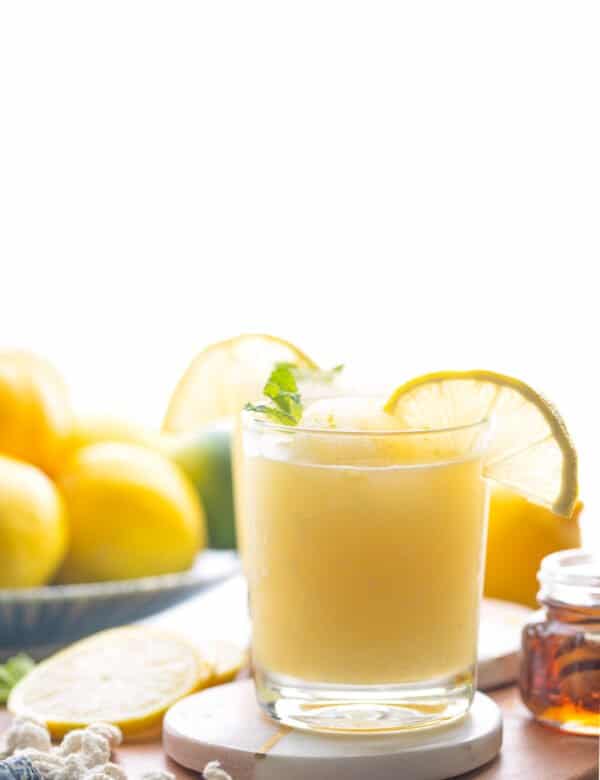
(307, 374)
(282, 389)
(11, 672)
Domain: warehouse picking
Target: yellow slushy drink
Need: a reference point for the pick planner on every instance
(363, 551)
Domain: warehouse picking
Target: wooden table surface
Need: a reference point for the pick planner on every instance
(530, 751)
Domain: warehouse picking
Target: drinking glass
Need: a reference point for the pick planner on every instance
(364, 553)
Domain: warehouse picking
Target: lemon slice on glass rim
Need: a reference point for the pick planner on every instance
(226, 375)
(531, 451)
(126, 676)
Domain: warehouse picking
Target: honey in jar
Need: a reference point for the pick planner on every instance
(560, 665)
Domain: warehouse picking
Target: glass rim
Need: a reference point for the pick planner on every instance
(258, 422)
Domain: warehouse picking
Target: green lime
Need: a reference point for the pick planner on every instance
(205, 457)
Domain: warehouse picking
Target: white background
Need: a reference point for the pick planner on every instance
(398, 186)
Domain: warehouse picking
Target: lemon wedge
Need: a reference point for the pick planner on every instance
(531, 452)
(225, 376)
(126, 676)
(226, 658)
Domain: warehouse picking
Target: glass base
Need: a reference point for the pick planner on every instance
(366, 709)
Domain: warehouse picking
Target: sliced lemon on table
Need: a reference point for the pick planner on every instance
(530, 452)
(126, 676)
(224, 377)
(226, 658)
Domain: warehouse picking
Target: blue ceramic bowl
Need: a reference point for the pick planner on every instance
(40, 621)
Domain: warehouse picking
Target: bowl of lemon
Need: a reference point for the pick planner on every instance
(99, 523)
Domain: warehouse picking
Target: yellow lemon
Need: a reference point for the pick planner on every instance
(35, 414)
(33, 529)
(94, 430)
(132, 513)
(224, 377)
(520, 534)
(126, 676)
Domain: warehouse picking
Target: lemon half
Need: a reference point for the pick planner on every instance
(531, 451)
(224, 377)
(126, 676)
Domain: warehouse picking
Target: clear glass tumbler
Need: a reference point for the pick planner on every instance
(364, 557)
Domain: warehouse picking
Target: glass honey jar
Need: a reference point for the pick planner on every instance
(560, 663)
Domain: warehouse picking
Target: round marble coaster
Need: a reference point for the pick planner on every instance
(225, 724)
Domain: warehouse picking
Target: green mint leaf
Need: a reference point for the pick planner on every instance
(282, 380)
(307, 374)
(12, 671)
(282, 389)
(5, 678)
(19, 665)
(277, 415)
(290, 404)
(293, 367)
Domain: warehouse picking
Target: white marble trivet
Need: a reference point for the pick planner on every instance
(225, 724)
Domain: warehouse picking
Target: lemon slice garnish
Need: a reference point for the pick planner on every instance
(126, 676)
(531, 451)
(224, 377)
